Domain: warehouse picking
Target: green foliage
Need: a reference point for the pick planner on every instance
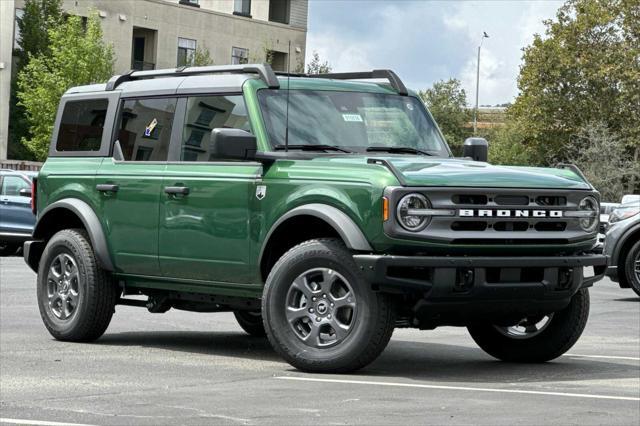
(39, 16)
(447, 101)
(601, 155)
(201, 57)
(75, 57)
(583, 70)
(317, 65)
(506, 147)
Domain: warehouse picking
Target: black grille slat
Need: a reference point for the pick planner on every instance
(511, 226)
(471, 225)
(511, 200)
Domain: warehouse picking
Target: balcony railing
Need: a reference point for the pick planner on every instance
(143, 66)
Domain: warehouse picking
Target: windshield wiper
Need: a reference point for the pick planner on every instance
(398, 150)
(305, 147)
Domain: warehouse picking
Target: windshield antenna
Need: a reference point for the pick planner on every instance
(286, 127)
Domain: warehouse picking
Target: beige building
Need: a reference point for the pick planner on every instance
(153, 34)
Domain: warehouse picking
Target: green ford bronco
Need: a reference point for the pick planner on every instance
(324, 211)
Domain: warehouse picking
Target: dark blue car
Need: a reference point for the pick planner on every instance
(16, 218)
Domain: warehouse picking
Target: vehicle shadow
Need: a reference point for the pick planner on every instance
(628, 299)
(196, 342)
(452, 363)
(402, 359)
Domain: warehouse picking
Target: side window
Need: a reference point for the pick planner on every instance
(11, 185)
(81, 125)
(145, 128)
(205, 113)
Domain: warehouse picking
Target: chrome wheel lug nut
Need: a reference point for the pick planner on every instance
(331, 304)
(310, 310)
(329, 316)
(317, 318)
(324, 296)
(313, 299)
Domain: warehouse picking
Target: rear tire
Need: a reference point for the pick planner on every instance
(8, 249)
(76, 297)
(556, 337)
(251, 322)
(632, 267)
(319, 312)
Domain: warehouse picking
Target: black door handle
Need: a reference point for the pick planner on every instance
(176, 190)
(107, 187)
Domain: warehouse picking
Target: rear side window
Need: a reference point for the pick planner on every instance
(82, 125)
(145, 128)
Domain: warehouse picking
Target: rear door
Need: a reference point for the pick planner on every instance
(16, 216)
(130, 189)
(204, 230)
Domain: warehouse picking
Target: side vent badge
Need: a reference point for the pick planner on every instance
(261, 191)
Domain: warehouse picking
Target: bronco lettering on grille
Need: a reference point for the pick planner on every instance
(509, 213)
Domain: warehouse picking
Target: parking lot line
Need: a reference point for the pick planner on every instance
(630, 358)
(459, 388)
(38, 422)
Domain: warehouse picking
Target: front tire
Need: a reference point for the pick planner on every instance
(632, 267)
(76, 297)
(319, 312)
(535, 339)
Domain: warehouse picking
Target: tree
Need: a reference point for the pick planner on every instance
(583, 70)
(317, 65)
(601, 155)
(447, 101)
(201, 57)
(38, 17)
(76, 57)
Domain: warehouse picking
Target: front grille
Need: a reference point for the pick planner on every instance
(498, 217)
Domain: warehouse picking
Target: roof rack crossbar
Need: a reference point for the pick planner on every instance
(389, 75)
(263, 70)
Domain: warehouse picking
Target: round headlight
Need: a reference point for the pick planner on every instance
(410, 222)
(589, 204)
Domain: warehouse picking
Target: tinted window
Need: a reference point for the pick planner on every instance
(205, 113)
(81, 125)
(11, 185)
(145, 128)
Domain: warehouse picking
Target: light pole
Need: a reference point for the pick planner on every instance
(475, 115)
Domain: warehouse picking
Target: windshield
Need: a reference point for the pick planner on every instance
(354, 121)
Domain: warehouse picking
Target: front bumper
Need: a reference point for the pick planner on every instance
(484, 285)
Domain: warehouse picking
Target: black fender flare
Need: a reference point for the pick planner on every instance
(91, 223)
(337, 219)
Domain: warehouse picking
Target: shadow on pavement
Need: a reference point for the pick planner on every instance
(207, 343)
(450, 363)
(401, 359)
(628, 299)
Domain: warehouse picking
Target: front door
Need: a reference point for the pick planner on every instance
(16, 216)
(130, 188)
(204, 210)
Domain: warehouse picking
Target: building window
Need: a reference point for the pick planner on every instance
(242, 7)
(239, 56)
(279, 11)
(186, 50)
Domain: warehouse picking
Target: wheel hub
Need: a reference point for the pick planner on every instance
(63, 285)
(321, 307)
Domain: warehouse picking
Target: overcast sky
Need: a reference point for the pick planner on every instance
(425, 41)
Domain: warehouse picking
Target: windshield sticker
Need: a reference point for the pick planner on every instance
(354, 118)
(149, 129)
(409, 107)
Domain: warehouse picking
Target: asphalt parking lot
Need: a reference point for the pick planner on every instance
(187, 368)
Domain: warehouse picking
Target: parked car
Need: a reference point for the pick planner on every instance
(605, 211)
(622, 244)
(324, 211)
(16, 217)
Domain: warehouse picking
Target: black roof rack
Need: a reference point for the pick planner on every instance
(263, 70)
(393, 78)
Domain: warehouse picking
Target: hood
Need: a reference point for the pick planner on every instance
(432, 171)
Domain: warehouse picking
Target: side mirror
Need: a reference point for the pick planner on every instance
(25, 192)
(476, 148)
(233, 144)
